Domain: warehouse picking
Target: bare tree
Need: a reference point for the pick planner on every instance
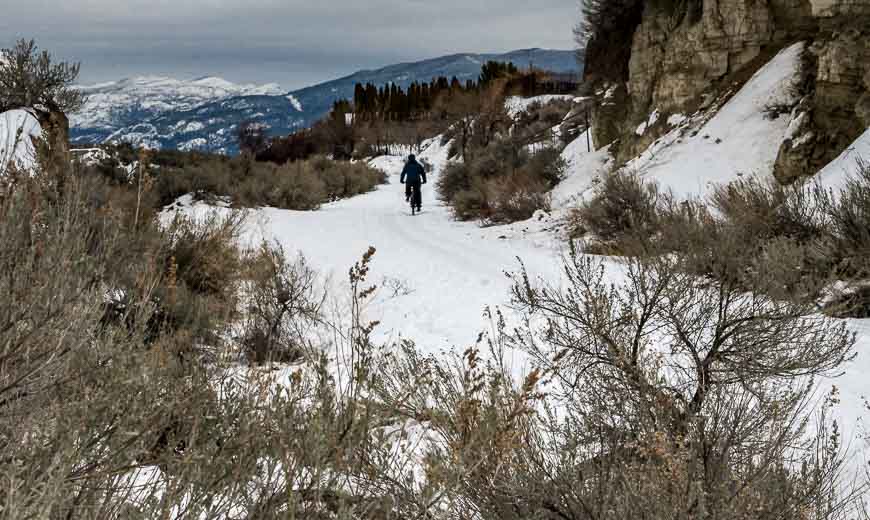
(669, 373)
(32, 79)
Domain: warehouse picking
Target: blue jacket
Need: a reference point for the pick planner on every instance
(413, 173)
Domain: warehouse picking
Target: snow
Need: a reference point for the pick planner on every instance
(676, 119)
(650, 121)
(796, 124)
(18, 129)
(193, 144)
(295, 102)
(194, 126)
(452, 270)
(516, 105)
(108, 101)
(835, 174)
(584, 166)
(738, 139)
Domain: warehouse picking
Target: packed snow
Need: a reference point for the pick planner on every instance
(449, 271)
(739, 140)
(18, 130)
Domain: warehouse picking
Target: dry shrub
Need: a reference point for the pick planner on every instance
(849, 214)
(621, 212)
(346, 179)
(516, 197)
(282, 307)
(454, 179)
(759, 235)
(501, 184)
(301, 185)
(766, 209)
(293, 186)
(100, 418)
(201, 266)
(667, 393)
(539, 117)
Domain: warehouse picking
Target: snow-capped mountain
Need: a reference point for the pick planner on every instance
(203, 114)
(118, 104)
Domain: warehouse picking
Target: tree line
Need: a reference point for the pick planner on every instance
(393, 103)
(381, 116)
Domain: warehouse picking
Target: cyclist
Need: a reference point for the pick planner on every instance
(413, 176)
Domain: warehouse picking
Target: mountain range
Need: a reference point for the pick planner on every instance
(203, 114)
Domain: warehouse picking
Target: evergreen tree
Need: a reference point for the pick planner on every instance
(371, 100)
(414, 99)
(359, 99)
(493, 70)
(426, 97)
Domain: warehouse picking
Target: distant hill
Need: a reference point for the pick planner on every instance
(118, 104)
(203, 114)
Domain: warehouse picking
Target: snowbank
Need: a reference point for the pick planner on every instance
(18, 129)
(739, 139)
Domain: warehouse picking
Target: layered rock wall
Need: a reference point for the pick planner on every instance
(685, 53)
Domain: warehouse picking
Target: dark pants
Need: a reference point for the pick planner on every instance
(413, 189)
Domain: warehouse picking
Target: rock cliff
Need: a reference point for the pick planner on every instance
(679, 56)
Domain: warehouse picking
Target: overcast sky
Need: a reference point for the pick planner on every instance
(291, 42)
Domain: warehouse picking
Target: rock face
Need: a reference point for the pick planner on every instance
(684, 53)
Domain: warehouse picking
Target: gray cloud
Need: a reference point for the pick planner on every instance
(291, 42)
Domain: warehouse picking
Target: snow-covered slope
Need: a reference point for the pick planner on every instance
(739, 139)
(18, 129)
(114, 105)
(835, 174)
(584, 165)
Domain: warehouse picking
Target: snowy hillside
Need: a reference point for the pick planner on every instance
(739, 139)
(18, 130)
(835, 174)
(117, 104)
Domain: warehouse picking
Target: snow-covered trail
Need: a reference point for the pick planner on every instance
(437, 275)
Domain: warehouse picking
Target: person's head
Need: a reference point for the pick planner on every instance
(412, 158)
